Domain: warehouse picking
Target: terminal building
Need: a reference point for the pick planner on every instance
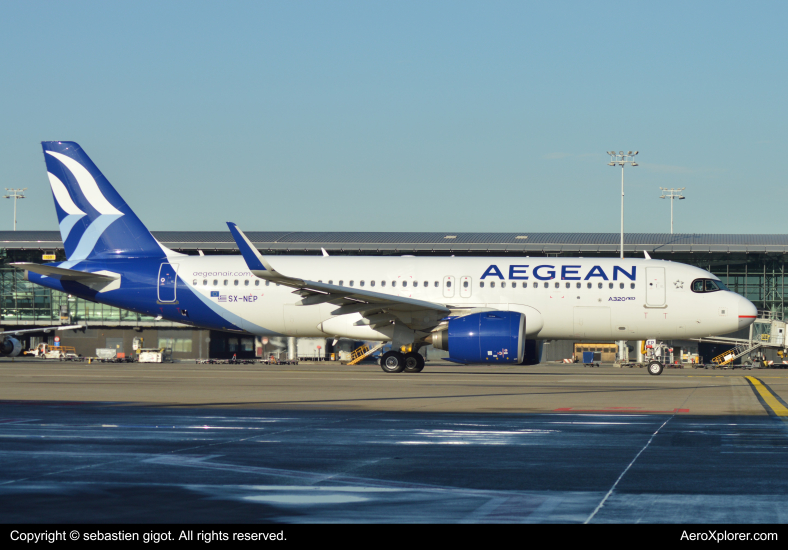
(752, 265)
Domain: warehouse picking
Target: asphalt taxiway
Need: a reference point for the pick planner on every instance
(330, 443)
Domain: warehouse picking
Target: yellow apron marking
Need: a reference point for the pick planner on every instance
(767, 396)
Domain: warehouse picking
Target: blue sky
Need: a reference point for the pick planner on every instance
(403, 116)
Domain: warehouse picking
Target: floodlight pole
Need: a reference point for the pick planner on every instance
(622, 159)
(674, 194)
(15, 194)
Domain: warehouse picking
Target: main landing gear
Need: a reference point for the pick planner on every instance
(394, 361)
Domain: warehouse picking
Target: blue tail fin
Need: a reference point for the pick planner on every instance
(95, 222)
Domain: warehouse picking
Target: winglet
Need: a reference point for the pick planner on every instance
(646, 255)
(256, 262)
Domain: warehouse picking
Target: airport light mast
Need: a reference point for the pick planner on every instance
(15, 194)
(622, 159)
(674, 194)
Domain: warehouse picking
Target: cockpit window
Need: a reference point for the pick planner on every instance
(707, 285)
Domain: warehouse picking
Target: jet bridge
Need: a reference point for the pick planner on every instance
(767, 332)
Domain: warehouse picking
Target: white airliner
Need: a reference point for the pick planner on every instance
(481, 310)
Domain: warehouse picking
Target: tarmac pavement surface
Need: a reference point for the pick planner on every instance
(322, 443)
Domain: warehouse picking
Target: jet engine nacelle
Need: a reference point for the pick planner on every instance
(486, 337)
(10, 347)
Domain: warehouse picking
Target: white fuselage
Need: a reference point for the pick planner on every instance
(562, 298)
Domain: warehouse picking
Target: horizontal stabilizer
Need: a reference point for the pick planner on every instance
(101, 281)
(64, 274)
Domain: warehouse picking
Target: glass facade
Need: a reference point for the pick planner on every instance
(25, 303)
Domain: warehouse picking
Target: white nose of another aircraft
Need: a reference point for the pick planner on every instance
(747, 312)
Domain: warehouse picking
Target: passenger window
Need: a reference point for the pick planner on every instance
(194, 282)
(361, 283)
(372, 283)
(382, 283)
(481, 284)
(415, 283)
(514, 284)
(215, 282)
(579, 285)
(340, 283)
(465, 284)
(235, 282)
(492, 284)
(226, 282)
(437, 284)
(351, 283)
(568, 285)
(393, 283)
(404, 283)
(205, 282)
(599, 285)
(425, 284)
(267, 283)
(621, 285)
(257, 282)
(246, 282)
(536, 285)
(503, 285)
(631, 285)
(329, 282)
(547, 285)
(589, 285)
(610, 285)
(558, 285)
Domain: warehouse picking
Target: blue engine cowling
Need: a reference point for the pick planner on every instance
(487, 337)
(9, 347)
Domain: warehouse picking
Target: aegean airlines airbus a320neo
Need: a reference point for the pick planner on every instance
(481, 310)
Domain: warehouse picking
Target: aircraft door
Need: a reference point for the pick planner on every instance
(167, 282)
(448, 287)
(655, 286)
(466, 284)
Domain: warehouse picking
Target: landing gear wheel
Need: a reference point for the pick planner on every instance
(414, 362)
(392, 361)
(655, 368)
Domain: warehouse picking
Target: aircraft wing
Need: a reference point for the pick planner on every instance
(349, 300)
(40, 329)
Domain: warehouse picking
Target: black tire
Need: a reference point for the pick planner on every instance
(392, 361)
(655, 368)
(414, 362)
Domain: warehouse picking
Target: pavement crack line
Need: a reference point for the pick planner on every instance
(613, 488)
(610, 492)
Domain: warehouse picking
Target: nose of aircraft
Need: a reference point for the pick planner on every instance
(747, 312)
